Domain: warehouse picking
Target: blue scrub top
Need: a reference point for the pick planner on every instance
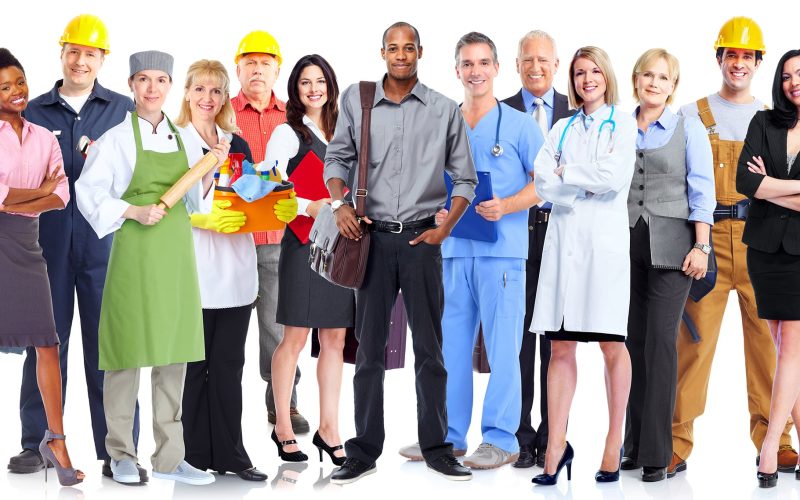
(521, 139)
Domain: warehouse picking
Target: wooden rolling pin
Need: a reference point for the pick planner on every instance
(189, 179)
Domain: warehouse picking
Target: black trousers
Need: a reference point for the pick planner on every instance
(212, 395)
(527, 435)
(657, 301)
(394, 264)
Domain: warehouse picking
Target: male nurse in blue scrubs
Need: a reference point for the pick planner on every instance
(484, 282)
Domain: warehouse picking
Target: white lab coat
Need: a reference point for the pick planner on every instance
(584, 280)
(109, 169)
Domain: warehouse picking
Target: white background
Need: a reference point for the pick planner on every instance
(348, 34)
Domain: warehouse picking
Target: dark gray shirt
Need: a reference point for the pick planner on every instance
(411, 144)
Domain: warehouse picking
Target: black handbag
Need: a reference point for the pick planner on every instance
(339, 259)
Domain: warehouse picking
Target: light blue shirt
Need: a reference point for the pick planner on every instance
(548, 98)
(699, 160)
(521, 139)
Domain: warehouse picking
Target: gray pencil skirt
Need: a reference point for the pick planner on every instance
(26, 309)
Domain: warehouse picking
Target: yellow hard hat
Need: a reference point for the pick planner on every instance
(259, 42)
(88, 30)
(740, 33)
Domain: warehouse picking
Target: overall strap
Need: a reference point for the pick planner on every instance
(706, 116)
(367, 92)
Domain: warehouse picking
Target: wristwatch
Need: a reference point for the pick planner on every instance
(706, 249)
(336, 205)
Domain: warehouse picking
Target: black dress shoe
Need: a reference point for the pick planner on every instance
(766, 480)
(352, 470)
(653, 474)
(527, 457)
(252, 474)
(448, 467)
(540, 454)
(142, 472)
(27, 462)
(628, 463)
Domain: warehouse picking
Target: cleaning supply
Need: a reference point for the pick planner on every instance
(236, 160)
(252, 187)
(225, 174)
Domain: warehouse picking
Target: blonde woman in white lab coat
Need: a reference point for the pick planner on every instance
(585, 169)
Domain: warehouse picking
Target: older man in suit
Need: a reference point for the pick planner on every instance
(537, 63)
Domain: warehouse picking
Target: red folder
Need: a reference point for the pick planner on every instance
(308, 184)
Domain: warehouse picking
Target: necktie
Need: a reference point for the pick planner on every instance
(540, 115)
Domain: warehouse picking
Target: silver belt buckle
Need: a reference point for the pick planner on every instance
(399, 230)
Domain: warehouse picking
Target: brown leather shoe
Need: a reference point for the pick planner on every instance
(677, 465)
(787, 458)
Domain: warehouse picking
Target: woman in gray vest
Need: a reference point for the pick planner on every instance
(305, 300)
(673, 183)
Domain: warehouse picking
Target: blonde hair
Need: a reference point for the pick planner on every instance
(601, 59)
(649, 58)
(208, 70)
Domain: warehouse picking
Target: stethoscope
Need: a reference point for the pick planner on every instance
(497, 149)
(609, 120)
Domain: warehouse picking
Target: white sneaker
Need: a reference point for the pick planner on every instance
(414, 453)
(125, 471)
(187, 474)
(488, 456)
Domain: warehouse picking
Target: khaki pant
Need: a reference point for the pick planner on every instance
(120, 390)
(694, 359)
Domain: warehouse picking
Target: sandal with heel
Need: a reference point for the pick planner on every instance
(67, 476)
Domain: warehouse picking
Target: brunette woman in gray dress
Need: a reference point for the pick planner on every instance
(305, 300)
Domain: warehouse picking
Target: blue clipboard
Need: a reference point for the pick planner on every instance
(472, 226)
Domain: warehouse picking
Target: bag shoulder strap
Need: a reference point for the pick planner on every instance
(367, 91)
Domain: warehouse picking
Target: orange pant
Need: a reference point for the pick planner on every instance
(694, 359)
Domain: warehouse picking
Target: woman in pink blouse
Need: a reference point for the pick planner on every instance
(31, 182)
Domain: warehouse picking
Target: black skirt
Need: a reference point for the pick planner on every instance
(776, 282)
(26, 308)
(304, 297)
(583, 336)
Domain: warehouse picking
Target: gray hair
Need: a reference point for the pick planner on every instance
(537, 35)
(474, 37)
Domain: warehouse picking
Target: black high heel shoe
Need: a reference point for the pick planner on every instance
(552, 479)
(323, 446)
(767, 480)
(294, 456)
(603, 476)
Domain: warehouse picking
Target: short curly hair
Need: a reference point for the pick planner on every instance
(7, 59)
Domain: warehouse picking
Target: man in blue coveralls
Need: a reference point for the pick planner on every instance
(76, 106)
(484, 282)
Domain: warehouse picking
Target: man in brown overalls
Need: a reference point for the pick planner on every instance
(727, 115)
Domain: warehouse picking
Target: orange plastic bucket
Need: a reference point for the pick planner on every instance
(260, 213)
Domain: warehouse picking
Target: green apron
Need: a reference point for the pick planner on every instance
(151, 313)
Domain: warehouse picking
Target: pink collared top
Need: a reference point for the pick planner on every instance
(23, 166)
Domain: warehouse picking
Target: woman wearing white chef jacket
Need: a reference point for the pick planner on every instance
(585, 169)
(151, 314)
(226, 269)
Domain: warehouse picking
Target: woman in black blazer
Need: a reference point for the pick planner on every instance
(769, 174)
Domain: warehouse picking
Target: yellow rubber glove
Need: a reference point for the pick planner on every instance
(286, 210)
(220, 219)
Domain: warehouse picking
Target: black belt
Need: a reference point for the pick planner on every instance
(541, 216)
(396, 226)
(738, 211)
